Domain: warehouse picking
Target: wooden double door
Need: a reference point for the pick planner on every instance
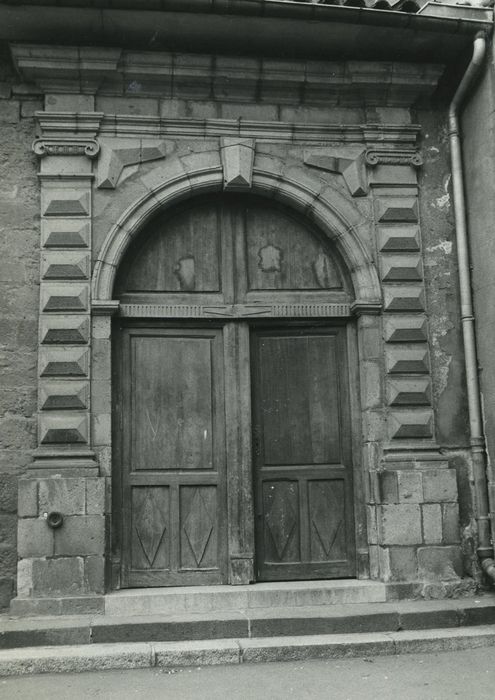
(178, 423)
(232, 433)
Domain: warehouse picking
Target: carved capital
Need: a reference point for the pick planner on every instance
(364, 307)
(105, 307)
(384, 156)
(66, 147)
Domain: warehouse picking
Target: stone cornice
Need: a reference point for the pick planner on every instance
(113, 71)
(372, 136)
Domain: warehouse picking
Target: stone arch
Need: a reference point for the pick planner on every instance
(334, 214)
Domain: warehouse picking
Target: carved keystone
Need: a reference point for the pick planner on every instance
(237, 160)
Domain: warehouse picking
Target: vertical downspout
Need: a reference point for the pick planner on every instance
(477, 438)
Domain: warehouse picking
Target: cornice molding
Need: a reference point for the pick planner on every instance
(110, 71)
(92, 124)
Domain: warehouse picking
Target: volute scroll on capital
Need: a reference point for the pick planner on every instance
(43, 147)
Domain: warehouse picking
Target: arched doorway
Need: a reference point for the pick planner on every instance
(232, 402)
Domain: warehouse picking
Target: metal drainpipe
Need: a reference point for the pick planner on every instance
(477, 438)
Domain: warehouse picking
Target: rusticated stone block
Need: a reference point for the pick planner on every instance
(63, 362)
(66, 495)
(64, 330)
(59, 429)
(65, 265)
(439, 563)
(440, 485)
(399, 524)
(409, 392)
(34, 538)
(407, 359)
(64, 203)
(397, 209)
(81, 535)
(401, 486)
(450, 523)
(27, 498)
(72, 297)
(402, 298)
(395, 239)
(410, 486)
(402, 268)
(58, 577)
(432, 523)
(410, 425)
(405, 329)
(403, 565)
(64, 396)
(65, 234)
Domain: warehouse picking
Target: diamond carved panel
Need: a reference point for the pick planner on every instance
(150, 527)
(326, 505)
(280, 511)
(198, 527)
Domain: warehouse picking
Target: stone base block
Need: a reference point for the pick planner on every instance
(61, 576)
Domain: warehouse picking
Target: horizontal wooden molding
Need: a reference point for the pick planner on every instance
(235, 310)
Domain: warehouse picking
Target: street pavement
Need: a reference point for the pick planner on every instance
(469, 674)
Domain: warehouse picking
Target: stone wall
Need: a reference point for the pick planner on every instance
(19, 291)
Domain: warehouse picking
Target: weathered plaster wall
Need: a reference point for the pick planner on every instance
(19, 277)
(441, 279)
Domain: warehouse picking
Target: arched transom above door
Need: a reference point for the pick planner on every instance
(232, 256)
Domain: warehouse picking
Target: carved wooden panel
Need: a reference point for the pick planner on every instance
(172, 402)
(299, 404)
(281, 254)
(302, 456)
(179, 253)
(281, 536)
(198, 527)
(150, 527)
(326, 499)
(232, 256)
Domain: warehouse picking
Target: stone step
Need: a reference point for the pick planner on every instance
(148, 601)
(254, 623)
(98, 657)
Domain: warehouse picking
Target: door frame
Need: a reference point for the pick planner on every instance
(239, 472)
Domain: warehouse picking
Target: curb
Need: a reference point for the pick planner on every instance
(99, 657)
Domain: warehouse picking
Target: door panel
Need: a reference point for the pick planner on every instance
(303, 470)
(174, 429)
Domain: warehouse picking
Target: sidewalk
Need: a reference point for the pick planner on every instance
(439, 676)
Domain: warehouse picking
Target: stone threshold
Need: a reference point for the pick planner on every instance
(147, 601)
(254, 623)
(99, 657)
